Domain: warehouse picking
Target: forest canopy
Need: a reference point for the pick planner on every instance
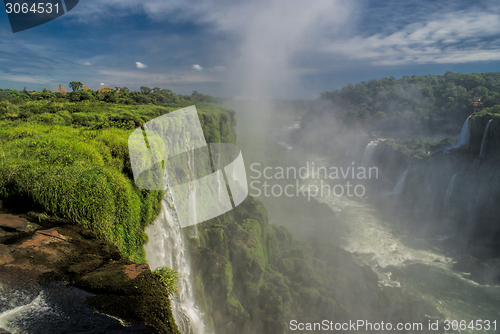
(433, 103)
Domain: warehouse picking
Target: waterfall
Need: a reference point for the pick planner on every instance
(484, 142)
(399, 186)
(367, 154)
(449, 191)
(37, 305)
(167, 247)
(463, 139)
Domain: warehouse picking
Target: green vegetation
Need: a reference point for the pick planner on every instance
(67, 155)
(75, 257)
(432, 103)
(79, 174)
(69, 158)
(257, 276)
(120, 95)
(169, 278)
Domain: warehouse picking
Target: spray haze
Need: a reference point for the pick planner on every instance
(272, 34)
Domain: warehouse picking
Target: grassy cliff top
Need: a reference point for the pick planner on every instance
(67, 155)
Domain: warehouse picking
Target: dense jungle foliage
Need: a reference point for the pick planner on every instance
(68, 156)
(430, 103)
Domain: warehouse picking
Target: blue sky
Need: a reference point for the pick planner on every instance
(259, 48)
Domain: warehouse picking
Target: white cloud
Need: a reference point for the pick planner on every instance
(102, 84)
(87, 63)
(269, 45)
(458, 37)
(140, 65)
(262, 37)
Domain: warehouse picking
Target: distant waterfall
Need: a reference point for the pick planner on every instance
(484, 142)
(368, 153)
(399, 186)
(463, 139)
(167, 248)
(449, 190)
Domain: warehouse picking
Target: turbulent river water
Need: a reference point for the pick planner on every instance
(414, 263)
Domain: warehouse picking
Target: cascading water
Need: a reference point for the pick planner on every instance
(368, 153)
(410, 262)
(463, 139)
(167, 248)
(399, 186)
(56, 309)
(449, 191)
(10, 319)
(484, 141)
(404, 260)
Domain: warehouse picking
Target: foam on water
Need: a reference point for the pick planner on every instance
(410, 262)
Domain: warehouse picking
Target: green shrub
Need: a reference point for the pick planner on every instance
(169, 278)
(47, 118)
(85, 118)
(82, 172)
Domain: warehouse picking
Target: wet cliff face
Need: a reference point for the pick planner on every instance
(452, 194)
(254, 277)
(40, 254)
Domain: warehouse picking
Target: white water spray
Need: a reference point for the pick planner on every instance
(368, 153)
(38, 305)
(484, 141)
(167, 248)
(449, 191)
(463, 139)
(399, 186)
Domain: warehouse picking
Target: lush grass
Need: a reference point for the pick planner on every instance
(78, 174)
(70, 159)
(169, 278)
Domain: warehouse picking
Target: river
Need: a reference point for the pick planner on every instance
(417, 264)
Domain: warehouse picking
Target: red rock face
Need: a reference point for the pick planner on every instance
(16, 223)
(41, 239)
(134, 269)
(32, 256)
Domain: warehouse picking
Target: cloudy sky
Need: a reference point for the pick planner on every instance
(257, 48)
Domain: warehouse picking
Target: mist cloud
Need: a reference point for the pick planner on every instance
(265, 36)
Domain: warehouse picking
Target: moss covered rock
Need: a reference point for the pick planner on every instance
(256, 277)
(53, 250)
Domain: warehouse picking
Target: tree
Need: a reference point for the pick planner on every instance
(75, 86)
(145, 90)
(124, 91)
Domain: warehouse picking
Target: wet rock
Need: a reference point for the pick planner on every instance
(14, 223)
(34, 257)
(133, 270)
(14, 227)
